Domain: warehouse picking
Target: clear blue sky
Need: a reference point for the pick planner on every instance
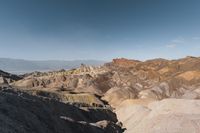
(99, 29)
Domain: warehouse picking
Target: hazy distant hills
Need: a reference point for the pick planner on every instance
(20, 66)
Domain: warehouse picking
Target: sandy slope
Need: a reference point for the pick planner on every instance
(165, 116)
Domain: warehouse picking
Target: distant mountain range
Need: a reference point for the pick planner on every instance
(20, 66)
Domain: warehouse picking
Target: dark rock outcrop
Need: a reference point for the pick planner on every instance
(23, 113)
(6, 78)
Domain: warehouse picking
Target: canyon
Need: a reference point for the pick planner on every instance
(153, 96)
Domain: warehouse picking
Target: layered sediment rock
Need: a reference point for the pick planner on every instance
(125, 82)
